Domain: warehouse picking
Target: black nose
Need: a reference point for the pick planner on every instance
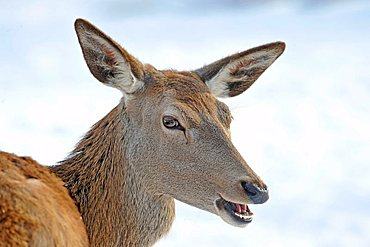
(255, 193)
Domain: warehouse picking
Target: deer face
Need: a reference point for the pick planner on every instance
(180, 132)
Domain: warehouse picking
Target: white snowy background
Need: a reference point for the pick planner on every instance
(304, 126)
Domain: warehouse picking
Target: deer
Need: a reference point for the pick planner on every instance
(35, 207)
(168, 138)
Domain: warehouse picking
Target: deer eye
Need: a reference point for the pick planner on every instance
(171, 123)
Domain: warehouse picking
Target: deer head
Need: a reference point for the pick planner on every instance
(179, 133)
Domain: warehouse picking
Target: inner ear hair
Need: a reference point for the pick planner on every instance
(107, 60)
(234, 74)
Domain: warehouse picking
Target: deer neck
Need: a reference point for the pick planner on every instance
(115, 206)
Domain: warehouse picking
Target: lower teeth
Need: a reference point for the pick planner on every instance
(244, 217)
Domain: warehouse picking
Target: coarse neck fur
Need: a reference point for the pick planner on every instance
(115, 206)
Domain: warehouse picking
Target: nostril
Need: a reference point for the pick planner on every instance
(250, 189)
(256, 194)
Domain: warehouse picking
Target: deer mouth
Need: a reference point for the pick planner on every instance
(234, 213)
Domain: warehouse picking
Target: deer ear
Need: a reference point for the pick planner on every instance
(233, 75)
(107, 61)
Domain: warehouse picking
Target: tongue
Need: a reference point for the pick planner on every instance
(241, 208)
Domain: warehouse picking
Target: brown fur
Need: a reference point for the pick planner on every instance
(127, 170)
(35, 209)
(112, 199)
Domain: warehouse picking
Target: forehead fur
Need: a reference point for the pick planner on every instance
(187, 89)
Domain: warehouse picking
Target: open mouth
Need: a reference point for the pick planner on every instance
(234, 213)
(239, 211)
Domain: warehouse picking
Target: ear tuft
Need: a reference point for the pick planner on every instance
(233, 75)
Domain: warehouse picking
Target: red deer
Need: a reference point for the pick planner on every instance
(168, 138)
